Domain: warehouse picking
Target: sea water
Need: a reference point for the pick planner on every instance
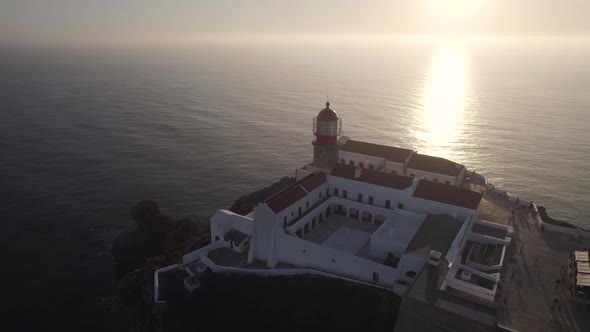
(87, 132)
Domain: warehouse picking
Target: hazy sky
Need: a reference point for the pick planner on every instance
(93, 21)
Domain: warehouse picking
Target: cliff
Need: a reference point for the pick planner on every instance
(546, 218)
(157, 236)
(159, 241)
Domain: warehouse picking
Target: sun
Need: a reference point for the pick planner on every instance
(454, 11)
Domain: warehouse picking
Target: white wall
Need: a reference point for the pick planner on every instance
(442, 178)
(461, 176)
(310, 255)
(484, 239)
(380, 194)
(410, 263)
(157, 281)
(377, 162)
(282, 272)
(507, 228)
(457, 244)
(263, 238)
(242, 247)
(309, 217)
(223, 220)
(304, 171)
(194, 255)
(382, 246)
(312, 198)
(393, 166)
(432, 207)
(470, 288)
(561, 229)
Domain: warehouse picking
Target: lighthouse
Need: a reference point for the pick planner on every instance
(327, 128)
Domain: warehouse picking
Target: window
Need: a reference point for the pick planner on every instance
(327, 191)
(448, 182)
(320, 195)
(284, 219)
(375, 277)
(361, 164)
(299, 210)
(371, 200)
(359, 198)
(387, 204)
(344, 193)
(246, 243)
(292, 213)
(217, 238)
(412, 175)
(371, 166)
(326, 128)
(393, 172)
(306, 204)
(351, 163)
(335, 191)
(435, 180)
(400, 205)
(342, 161)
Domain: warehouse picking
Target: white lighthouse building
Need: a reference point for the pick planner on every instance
(355, 213)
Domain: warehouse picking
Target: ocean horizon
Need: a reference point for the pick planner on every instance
(86, 132)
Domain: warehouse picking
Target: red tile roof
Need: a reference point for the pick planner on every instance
(448, 194)
(313, 181)
(374, 177)
(286, 198)
(389, 153)
(435, 165)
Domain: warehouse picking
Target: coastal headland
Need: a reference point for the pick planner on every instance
(309, 302)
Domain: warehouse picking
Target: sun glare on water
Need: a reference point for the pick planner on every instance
(444, 101)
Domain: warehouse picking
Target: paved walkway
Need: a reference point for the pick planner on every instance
(529, 280)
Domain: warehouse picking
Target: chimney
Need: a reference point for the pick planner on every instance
(357, 172)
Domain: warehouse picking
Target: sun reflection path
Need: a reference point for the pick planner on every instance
(443, 104)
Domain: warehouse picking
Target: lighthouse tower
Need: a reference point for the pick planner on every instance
(327, 128)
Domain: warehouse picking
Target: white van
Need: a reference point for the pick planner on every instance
(435, 257)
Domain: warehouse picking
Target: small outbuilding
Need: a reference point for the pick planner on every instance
(236, 240)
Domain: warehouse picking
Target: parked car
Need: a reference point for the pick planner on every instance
(435, 257)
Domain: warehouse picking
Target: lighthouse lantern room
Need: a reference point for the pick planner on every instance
(327, 128)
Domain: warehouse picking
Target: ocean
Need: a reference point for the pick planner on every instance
(87, 132)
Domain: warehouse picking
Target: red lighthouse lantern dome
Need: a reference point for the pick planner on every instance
(327, 127)
(327, 114)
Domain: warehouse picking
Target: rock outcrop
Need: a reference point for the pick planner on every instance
(156, 234)
(546, 218)
(158, 241)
